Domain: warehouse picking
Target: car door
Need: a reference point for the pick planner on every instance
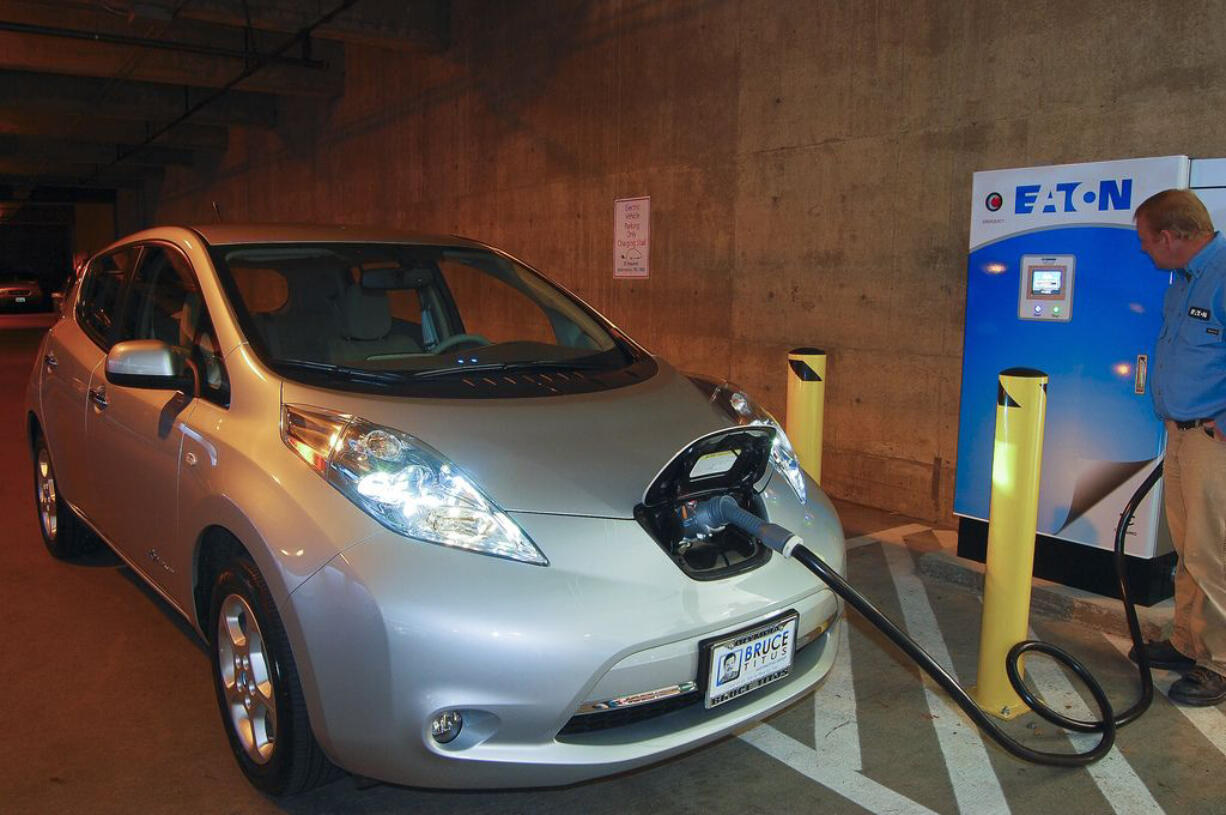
(74, 350)
(137, 433)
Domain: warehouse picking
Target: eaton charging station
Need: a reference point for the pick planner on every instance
(1056, 281)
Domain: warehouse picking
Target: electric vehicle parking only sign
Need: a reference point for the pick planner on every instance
(631, 236)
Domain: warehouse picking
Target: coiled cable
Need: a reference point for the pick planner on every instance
(724, 509)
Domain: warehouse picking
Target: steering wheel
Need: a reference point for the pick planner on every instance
(456, 339)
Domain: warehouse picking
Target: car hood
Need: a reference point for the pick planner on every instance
(590, 454)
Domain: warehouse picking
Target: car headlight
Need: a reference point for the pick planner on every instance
(403, 483)
(745, 411)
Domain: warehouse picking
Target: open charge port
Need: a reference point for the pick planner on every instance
(730, 462)
(712, 556)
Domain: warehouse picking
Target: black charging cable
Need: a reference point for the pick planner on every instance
(725, 510)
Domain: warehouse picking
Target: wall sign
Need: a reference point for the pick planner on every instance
(631, 236)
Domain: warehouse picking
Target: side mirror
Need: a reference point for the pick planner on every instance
(150, 364)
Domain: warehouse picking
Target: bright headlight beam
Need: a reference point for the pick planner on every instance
(405, 484)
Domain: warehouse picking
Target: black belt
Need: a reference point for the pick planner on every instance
(1190, 423)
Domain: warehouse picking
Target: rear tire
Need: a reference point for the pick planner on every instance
(258, 691)
(65, 535)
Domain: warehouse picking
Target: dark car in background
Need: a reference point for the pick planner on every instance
(20, 292)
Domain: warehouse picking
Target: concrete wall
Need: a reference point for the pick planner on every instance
(93, 227)
(809, 165)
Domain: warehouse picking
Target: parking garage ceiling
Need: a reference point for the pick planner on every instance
(102, 95)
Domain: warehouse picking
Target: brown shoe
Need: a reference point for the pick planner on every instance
(1199, 687)
(1164, 655)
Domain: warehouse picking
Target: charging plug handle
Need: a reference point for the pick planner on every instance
(715, 513)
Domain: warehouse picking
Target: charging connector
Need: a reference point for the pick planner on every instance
(716, 513)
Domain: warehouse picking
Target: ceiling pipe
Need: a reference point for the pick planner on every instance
(303, 36)
(164, 45)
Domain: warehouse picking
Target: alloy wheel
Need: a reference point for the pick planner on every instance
(247, 678)
(48, 505)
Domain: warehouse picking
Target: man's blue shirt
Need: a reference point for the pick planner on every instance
(1189, 374)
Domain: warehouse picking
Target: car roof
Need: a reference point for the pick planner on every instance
(236, 233)
(324, 233)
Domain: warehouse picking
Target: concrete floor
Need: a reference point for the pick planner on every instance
(108, 706)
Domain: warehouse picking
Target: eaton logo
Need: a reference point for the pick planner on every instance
(1073, 196)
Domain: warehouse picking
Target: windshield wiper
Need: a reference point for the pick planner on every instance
(483, 367)
(342, 371)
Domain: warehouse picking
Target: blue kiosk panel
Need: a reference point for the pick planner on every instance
(1056, 281)
(1101, 429)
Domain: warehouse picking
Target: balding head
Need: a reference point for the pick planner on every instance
(1179, 212)
(1173, 226)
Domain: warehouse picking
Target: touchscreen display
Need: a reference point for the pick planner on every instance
(1048, 282)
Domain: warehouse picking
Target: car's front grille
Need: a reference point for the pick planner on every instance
(16, 292)
(617, 717)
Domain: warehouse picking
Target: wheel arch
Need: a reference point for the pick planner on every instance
(34, 429)
(218, 543)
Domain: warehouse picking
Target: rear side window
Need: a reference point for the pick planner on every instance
(98, 305)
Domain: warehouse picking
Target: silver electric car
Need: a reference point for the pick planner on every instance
(433, 515)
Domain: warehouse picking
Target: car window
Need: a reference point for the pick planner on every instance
(98, 304)
(416, 319)
(491, 308)
(166, 304)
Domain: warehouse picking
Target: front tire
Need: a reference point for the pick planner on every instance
(258, 690)
(64, 534)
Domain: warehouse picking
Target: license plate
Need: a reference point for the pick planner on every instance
(21, 299)
(747, 660)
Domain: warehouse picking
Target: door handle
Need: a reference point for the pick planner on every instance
(98, 395)
(50, 360)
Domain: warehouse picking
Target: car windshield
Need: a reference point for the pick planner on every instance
(370, 315)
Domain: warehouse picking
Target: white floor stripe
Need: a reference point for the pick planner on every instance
(1210, 721)
(894, 534)
(852, 785)
(835, 731)
(976, 787)
(1116, 779)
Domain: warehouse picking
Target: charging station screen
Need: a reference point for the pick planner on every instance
(1047, 282)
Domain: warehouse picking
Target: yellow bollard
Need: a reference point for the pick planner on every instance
(806, 406)
(1021, 406)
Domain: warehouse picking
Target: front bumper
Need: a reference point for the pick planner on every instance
(393, 631)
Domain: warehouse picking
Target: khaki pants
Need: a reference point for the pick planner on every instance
(1194, 476)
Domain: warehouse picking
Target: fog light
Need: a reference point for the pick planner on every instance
(446, 726)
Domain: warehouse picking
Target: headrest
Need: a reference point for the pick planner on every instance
(189, 319)
(365, 315)
(262, 290)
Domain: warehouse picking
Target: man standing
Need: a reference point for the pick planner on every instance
(1188, 381)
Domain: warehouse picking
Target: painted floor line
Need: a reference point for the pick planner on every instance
(854, 786)
(1210, 721)
(836, 761)
(835, 731)
(1115, 777)
(974, 781)
(895, 534)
